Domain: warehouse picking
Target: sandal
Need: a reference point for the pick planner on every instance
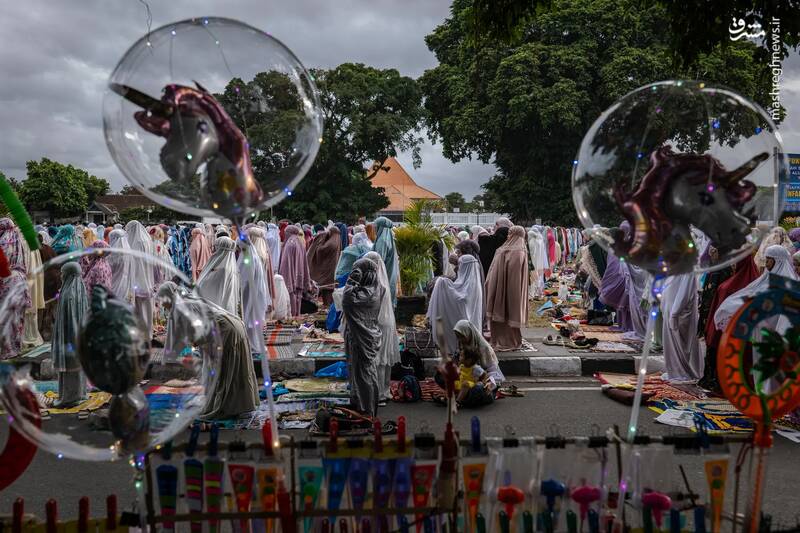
(551, 340)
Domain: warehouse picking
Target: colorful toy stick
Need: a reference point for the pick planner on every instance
(551, 489)
(473, 486)
(778, 355)
(18, 213)
(402, 483)
(584, 496)
(480, 522)
(510, 496)
(572, 522)
(267, 491)
(193, 479)
(594, 521)
(422, 479)
(167, 480)
(505, 522)
(242, 481)
(83, 514)
(716, 474)
(288, 523)
(310, 484)
(214, 479)
(18, 451)
(381, 479)
(359, 479)
(658, 502)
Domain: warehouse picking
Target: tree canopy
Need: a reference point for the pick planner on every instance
(455, 200)
(696, 27)
(370, 114)
(63, 190)
(526, 105)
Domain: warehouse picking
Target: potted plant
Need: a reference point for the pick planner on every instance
(414, 240)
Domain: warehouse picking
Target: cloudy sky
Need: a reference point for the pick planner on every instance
(56, 58)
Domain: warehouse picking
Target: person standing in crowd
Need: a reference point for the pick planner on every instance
(389, 353)
(490, 243)
(13, 287)
(65, 240)
(386, 248)
(452, 301)
(120, 264)
(322, 257)
(507, 292)
(52, 284)
(141, 272)
(257, 236)
(220, 282)
(683, 356)
(361, 305)
(294, 267)
(73, 304)
(744, 273)
(273, 238)
(95, 268)
(199, 252)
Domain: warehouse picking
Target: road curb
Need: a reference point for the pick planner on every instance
(544, 366)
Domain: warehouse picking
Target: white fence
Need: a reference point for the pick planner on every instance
(465, 219)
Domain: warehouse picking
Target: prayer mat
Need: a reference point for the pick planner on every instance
(428, 387)
(278, 335)
(95, 401)
(280, 351)
(654, 386)
(607, 347)
(718, 416)
(164, 401)
(316, 385)
(302, 396)
(322, 349)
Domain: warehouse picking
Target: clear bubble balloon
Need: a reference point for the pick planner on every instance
(108, 384)
(678, 168)
(212, 117)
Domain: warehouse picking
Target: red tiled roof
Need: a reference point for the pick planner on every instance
(399, 187)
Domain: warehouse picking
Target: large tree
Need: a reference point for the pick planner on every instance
(455, 200)
(696, 26)
(525, 106)
(63, 190)
(370, 114)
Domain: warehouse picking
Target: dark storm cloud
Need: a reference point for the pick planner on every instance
(57, 56)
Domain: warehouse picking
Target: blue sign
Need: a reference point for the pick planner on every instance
(791, 186)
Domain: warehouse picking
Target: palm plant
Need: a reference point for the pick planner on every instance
(414, 240)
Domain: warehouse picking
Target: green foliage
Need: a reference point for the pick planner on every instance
(63, 190)
(414, 240)
(129, 189)
(696, 27)
(370, 114)
(158, 214)
(455, 200)
(526, 106)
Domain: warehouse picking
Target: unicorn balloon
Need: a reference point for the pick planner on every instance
(203, 143)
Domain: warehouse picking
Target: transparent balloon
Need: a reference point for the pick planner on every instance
(210, 116)
(107, 384)
(676, 169)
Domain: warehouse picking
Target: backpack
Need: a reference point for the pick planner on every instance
(408, 390)
(410, 365)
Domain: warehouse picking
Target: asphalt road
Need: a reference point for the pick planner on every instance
(568, 407)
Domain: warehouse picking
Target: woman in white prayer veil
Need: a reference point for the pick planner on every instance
(258, 238)
(538, 262)
(777, 261)
(389, 352)
(273, 238)
(361, 237)
(461, 299)
(120, 266)
(683, 356)
(281, 307)
(141, 273)
(220, 281)
(255, 295)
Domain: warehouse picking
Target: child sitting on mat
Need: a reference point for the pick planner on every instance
(471, 390)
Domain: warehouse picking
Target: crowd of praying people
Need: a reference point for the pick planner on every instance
(481, 282)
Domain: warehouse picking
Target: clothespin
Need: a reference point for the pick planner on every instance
(401, 434)
(376, 431)
(193, 437)
(51, 510)
(83, 514)
(266, 436)
(111, 512)
(19, 513)
(476, 434)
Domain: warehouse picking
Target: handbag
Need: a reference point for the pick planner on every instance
(420, 341)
